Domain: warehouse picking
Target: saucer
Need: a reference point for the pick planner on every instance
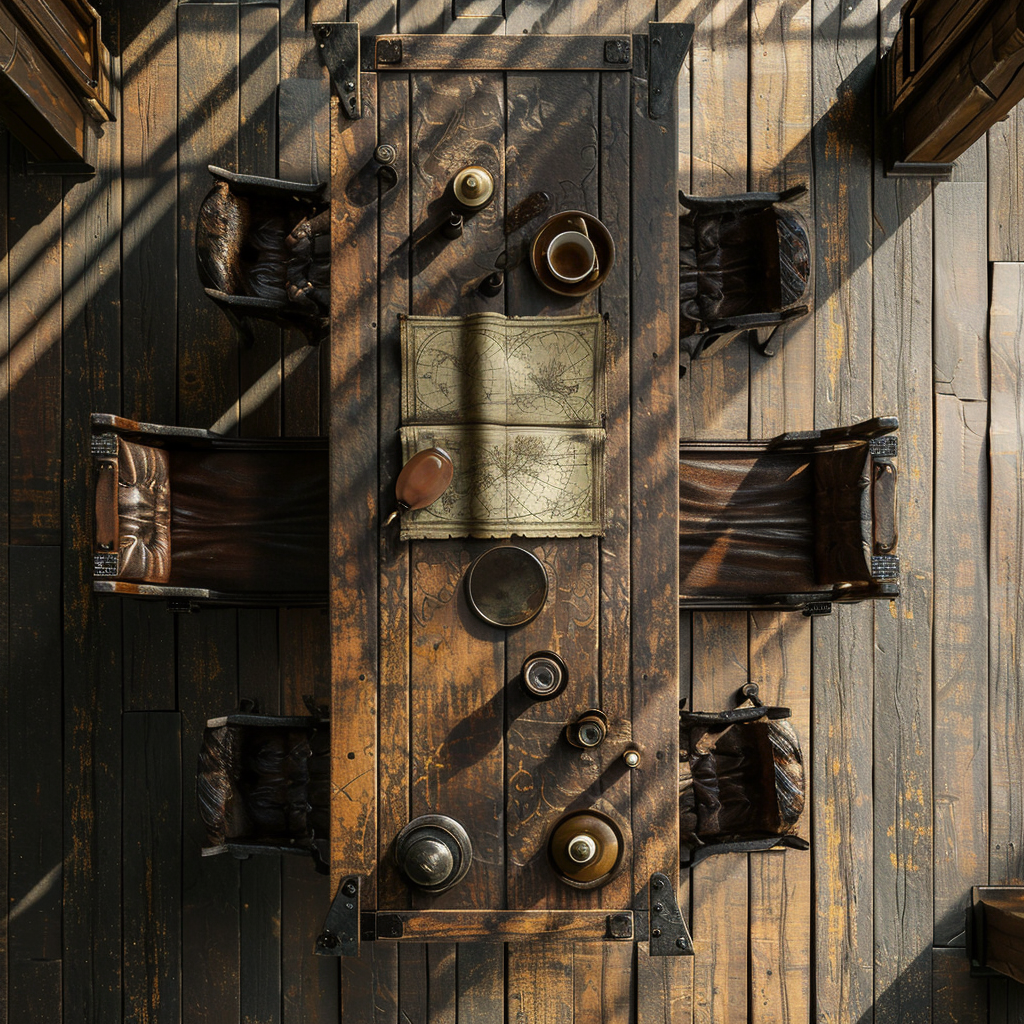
(603, 245)
(507, 586)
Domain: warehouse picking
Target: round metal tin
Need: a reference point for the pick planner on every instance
(507, 586)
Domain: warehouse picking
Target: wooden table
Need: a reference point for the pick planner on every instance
(427, 715)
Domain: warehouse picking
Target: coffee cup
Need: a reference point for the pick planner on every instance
(571, 256)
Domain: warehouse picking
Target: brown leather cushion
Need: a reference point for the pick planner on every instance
(745, 524)
(144, 513)
(740, 781)
(250, 521)
(843, 516)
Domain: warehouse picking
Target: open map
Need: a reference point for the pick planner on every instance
(519, 406)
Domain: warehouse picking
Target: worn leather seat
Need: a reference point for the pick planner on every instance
(263, 250)
(263, 785)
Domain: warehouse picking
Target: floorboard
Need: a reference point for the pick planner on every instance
(910, 712)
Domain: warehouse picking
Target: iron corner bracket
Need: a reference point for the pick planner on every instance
(668, 934)
(669, 41)
(338, 45)
(342, 926)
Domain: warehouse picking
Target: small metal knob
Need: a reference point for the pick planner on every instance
(433, 852)
(632, 758)
(589, 730)
(385, 153)
(582, 849)
(473, 187)
(428, 861)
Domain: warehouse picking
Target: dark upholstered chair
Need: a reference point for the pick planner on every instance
(795, 522)
(263, 785)
(741, 779)
(263, 248)
(194, 517)
(744, 266)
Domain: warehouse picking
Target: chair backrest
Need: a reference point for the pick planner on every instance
(187, 514)
(741, 778)
(263, 785)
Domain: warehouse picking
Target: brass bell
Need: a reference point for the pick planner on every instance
(473, 187)
(424, 478)
(586, 849)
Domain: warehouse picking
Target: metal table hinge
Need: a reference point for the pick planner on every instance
(338, 42)
(818, 608)
(343, 924)
(885, 567)
(886, 447)
(669, 42)
(669, 935)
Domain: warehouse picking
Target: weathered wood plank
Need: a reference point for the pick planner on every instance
(1006, 188)
(582, 17)
(207, 687)
(961, 278)
(34, 358)
(151, 865)
(5, 617)
(957, 997)
(961, 716)
(903, 636)
(481, 983)
(35, 787)
(458, 663)
(719, 885)
(353, 458)
(149, 125)
(91, 628)
(395, 296)
(782, 398)
(540, 982)
(520, 53)
(208, 134)
(844, 55)
(654, 558)
(1006, 571)
(260, 367)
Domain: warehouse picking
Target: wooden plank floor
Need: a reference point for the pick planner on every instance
(911, 713)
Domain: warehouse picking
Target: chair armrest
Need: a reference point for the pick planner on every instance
(883, 502)
(106, 534)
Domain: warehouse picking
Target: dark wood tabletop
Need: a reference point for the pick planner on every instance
(428, 715)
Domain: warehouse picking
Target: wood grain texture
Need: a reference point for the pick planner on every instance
(1005, 557)
(499, 52)
(5, 616)
(1006, 188)
(35, 787)
(539, 982)
(149, 122)
(34, 358)
(208, 132)
(210, 892)
(457, 704)
(583, 17)
(961, 278)
(353, 458)
(91, 317)
(480, 983)
(151, 865)
(782, 398)
(958, 998)
(961, 780)
(844, 53)
(903, 754)
(260, 366)
(394, 568)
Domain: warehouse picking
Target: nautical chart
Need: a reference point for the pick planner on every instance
(519, 405)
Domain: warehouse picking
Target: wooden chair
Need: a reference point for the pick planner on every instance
(744, 266)
(263, 249)
(263, 785)
(796, 522)
(196, 517)
(741, 779)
